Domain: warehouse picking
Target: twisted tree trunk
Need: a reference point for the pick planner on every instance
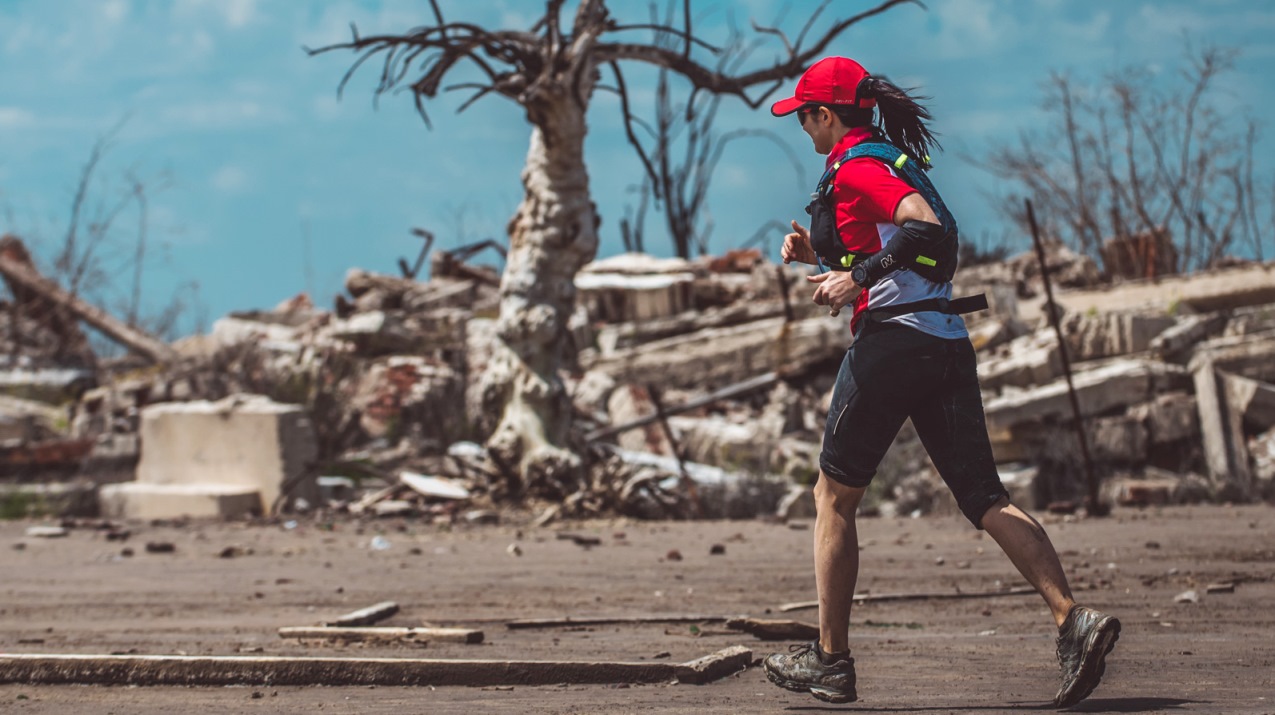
(552, 235)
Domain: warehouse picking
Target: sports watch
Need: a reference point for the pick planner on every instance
(859, 272)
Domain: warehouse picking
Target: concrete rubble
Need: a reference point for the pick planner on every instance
(699, 388)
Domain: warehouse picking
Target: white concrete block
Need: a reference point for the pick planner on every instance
(242, 441)
(135, 500)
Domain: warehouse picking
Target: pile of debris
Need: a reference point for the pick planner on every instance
(699, 387)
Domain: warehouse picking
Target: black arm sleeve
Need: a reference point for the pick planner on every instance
(915, 238)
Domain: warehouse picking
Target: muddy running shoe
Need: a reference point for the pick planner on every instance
(802, 670)
(1084, 640)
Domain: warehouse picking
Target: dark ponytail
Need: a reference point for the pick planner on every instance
(901, 116)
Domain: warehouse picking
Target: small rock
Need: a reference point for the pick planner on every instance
(257, 695)
(20, 546)
(662, 654)
(717, 549)
(482, 516)
(514, 550)
(673, 555)
(988, 632)
(1153, 544)
(126, 552)
(939, 561)
(160, 547)
(1187, 597)
(46, 532)
(118, 535)
(1227, 587)
(962, 564)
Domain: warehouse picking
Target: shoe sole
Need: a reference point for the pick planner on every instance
(827, 695)
(1093, 662)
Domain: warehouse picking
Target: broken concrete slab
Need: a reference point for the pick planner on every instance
(635, 286)
(715, 357)
(1251, 356)
(1186, 333)
(245, 441)
(715, 666)
(775, 629)
(1118, 439)
(139, 500)
(1091, 336)
(621, 336)
(365, 616)
(50, 385)
(159, 670)
(1025, 361)
(1116, 384)
(716, 439)
(1169, 417)
(1203, 292)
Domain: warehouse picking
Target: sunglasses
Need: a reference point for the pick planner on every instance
(807, 110)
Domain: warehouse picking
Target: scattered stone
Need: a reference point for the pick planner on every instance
(513, 550)
(673, 555)
(717, 549)
(1187, 597)
(1227, 587)
(46, 532)
(160, 547)
(583, 540)
(482, 516)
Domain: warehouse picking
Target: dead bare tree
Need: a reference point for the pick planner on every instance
(95, 263)
(551, 71)
(1151, 180)
(685, 150)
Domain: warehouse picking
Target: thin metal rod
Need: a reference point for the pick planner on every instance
(1092, 505)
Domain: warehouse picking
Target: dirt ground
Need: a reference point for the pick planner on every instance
(81, 594)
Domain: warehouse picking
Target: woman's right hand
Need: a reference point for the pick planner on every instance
(797, 246)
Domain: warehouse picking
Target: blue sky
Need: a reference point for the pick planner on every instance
(247, 148)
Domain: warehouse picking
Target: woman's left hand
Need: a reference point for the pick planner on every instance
(836, 289)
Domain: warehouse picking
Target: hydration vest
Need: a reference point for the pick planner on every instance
(825, 239)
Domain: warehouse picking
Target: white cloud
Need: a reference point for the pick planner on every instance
(114, 10)
(236, 14)
(222, 114)
(15, 118)
(230, 179)
(326, 106)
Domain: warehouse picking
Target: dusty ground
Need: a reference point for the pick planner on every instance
(80, 595)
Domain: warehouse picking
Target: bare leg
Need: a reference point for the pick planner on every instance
(836, 560)
(1025, 542)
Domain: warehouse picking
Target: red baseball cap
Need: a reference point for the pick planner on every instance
(832, 80)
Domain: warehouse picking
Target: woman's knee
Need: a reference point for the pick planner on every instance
(831, 494)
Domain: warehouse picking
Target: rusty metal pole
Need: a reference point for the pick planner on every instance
(783, 293)
(1092, 504)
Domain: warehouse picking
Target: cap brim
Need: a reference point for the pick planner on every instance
(784, 107)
